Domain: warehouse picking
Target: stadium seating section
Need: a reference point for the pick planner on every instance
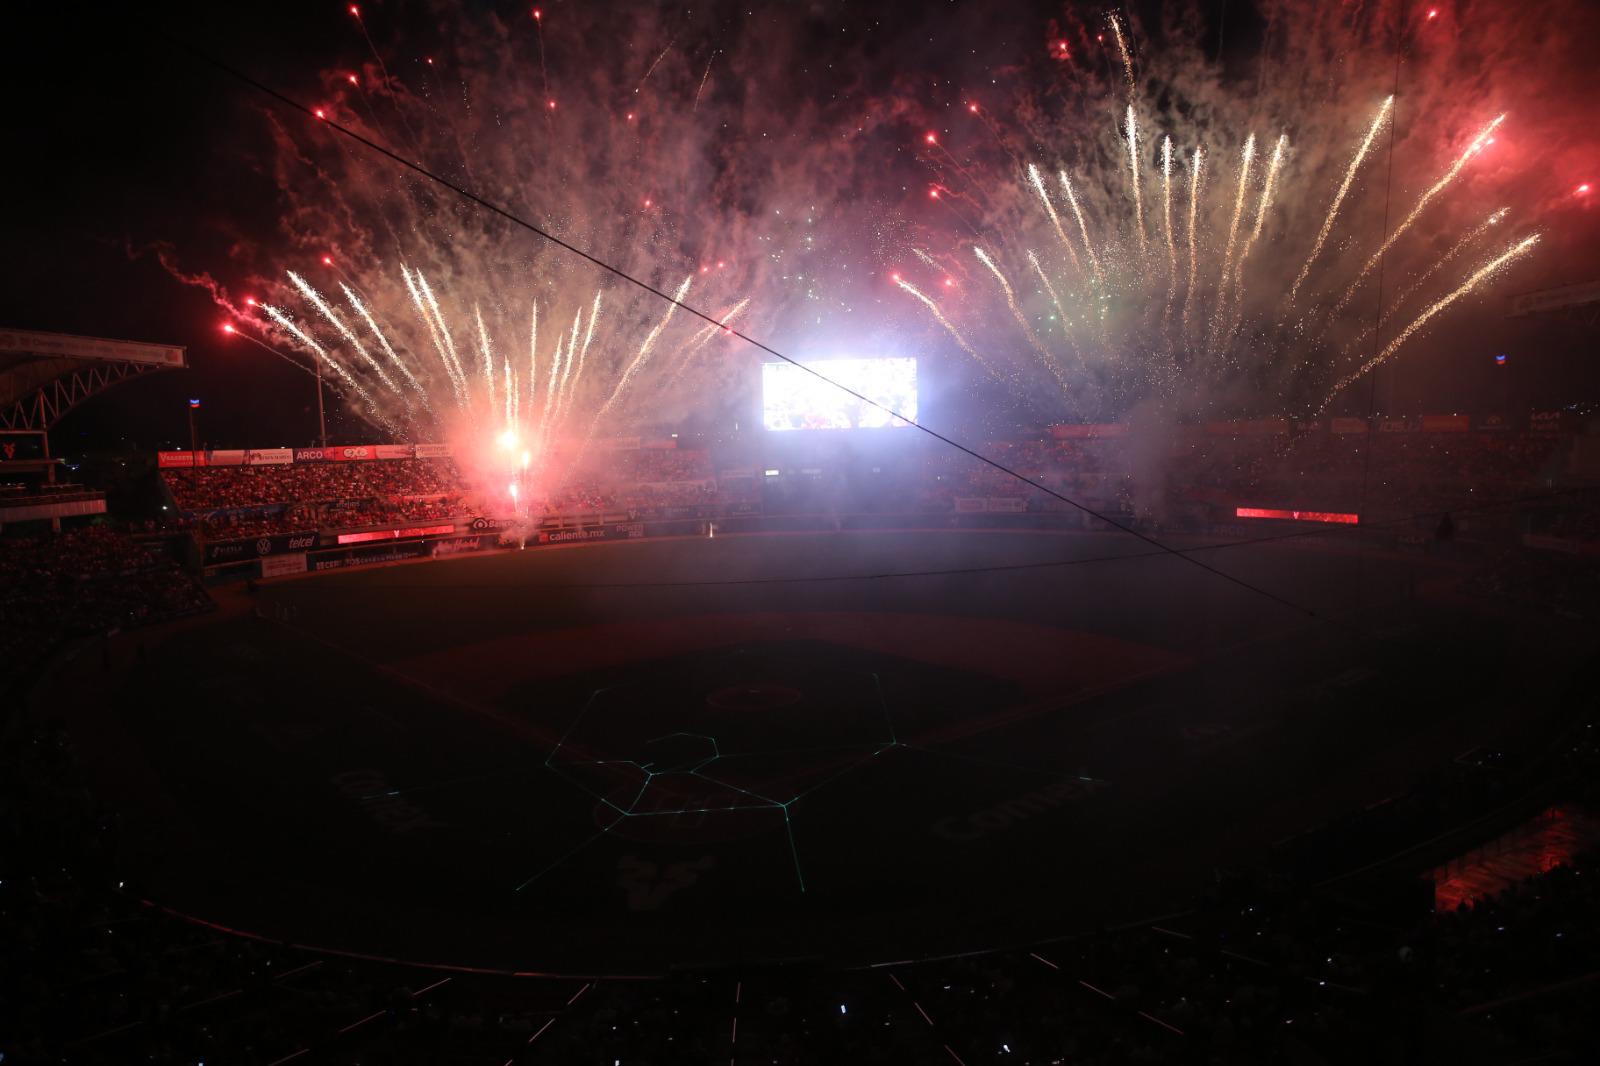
(85, 581)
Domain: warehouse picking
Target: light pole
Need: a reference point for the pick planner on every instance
(194, 437)
(322, 418)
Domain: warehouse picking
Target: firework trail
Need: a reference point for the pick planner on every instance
(550, 388)
(1122, 50)
(441, 336)
(1439, 186)
(533, 356)
(1338, 197)
(563, 388)
(1016, 311)
(1050, 210)
(486, 354)
(1267, 189)
(383, 342)
(1166, 224)
(322, 353)
(699, 340)
(703, 78)
(511, 395)
(1487, 270)
(1083, 227)
(583, 352)
(652, 68)
(1434, 267)
(316, 300)
(1196, 169)
(938, 317)
(433, 332)
(1061, 312)
(644, 354)
(1133, 171)
(1246, 157)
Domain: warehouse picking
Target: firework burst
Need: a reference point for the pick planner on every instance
(1274, 258)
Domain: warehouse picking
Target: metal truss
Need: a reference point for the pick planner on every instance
(49, 403)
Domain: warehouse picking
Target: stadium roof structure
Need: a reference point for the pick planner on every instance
(45, 375)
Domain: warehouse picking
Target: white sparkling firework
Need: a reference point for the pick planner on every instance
(316, 300)
(938, 316)
(383, 341)
(1083, 227)
(643, 355)
(1338, 197)
(1434, 190)
(1055, 220)
(1478, 276)
(1196, 171)
(320, 352)
(1132, 130)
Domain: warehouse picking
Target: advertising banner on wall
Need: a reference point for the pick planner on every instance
(1349, 425)
(350, 453)
(283, 565)
(233, 551)
(1545, 422)
(460, 545)
(1492, 424)
(393, 451)
(388, 553)
(1007, 504)
(1446, 423)
(432, 451)
(610, 531)
(268, 456)
(406, 533)
(227, 457)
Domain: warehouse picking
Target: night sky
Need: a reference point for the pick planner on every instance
(121, 138)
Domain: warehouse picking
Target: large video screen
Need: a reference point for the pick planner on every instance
(792, 398)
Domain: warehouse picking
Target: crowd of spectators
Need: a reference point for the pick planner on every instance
(1171, 480)
(221, 487)
(231, 502)
(20, 493)
(87, 580)
(1192, 472)
(661, 465)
